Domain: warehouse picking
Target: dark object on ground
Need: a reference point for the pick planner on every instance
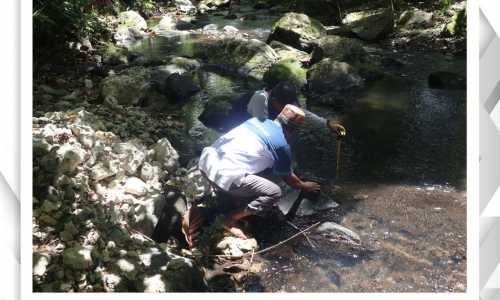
(293, 211)
(169, 223)
(447, 81)
(180, 88)
(224, 113)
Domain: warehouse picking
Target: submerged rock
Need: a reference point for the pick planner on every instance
(447, 81)
(297, 30)
(370, 25)
(333, 229)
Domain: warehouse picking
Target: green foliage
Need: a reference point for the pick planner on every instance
(445, 4)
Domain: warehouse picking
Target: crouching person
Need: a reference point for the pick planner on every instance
(234, 165)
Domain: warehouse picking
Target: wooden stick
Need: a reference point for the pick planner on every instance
(288, 239)
(270, 247)
(305, 234)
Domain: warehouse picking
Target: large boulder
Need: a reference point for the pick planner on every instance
(166, 23)
(127, 87)
(415, 18)
(179, 88)
(207, 5)
(248, 57)
(331, 75)
(132, 19)
(326, 11)
(225, 112)
(339, 48)
(130, 28)
(297, 30)
(289, 70)
(370, 25)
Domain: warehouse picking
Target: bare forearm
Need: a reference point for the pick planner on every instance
(294, 181)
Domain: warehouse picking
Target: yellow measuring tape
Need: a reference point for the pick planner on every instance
(339, 142)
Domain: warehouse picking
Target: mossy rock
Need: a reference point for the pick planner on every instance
(339, 48)
(127, 87)
(458, 24)
(286, 70)
(297, 30)
(113, 55)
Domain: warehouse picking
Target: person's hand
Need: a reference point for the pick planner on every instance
(310, 186)
(338, 129)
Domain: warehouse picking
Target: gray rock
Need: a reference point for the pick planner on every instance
(370, 25)
(334, 229)
(298, 31)
(127, 87)
(415, 18)
(166, 155)
(339, 48)
(328, 75)
(287, 52)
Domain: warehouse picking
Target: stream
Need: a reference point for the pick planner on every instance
(401, 188)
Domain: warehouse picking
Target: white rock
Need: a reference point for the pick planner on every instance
(166, 155)
(70, 157)
(100, 172)
(40, 263)
(230, 29)
(154, 284)
(135, 186)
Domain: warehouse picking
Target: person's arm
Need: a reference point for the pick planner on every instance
(306, 186)
(318, 122)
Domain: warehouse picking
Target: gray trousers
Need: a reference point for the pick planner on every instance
(256, 192)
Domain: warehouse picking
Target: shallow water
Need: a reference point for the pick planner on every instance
(402, 183)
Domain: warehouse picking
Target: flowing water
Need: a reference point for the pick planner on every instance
(402, 183)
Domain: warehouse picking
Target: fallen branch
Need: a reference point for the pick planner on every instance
(288, 239)
(305, 235)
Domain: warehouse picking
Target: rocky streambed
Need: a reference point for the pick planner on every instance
(116, 138)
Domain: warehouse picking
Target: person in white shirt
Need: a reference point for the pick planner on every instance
(235, 162)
